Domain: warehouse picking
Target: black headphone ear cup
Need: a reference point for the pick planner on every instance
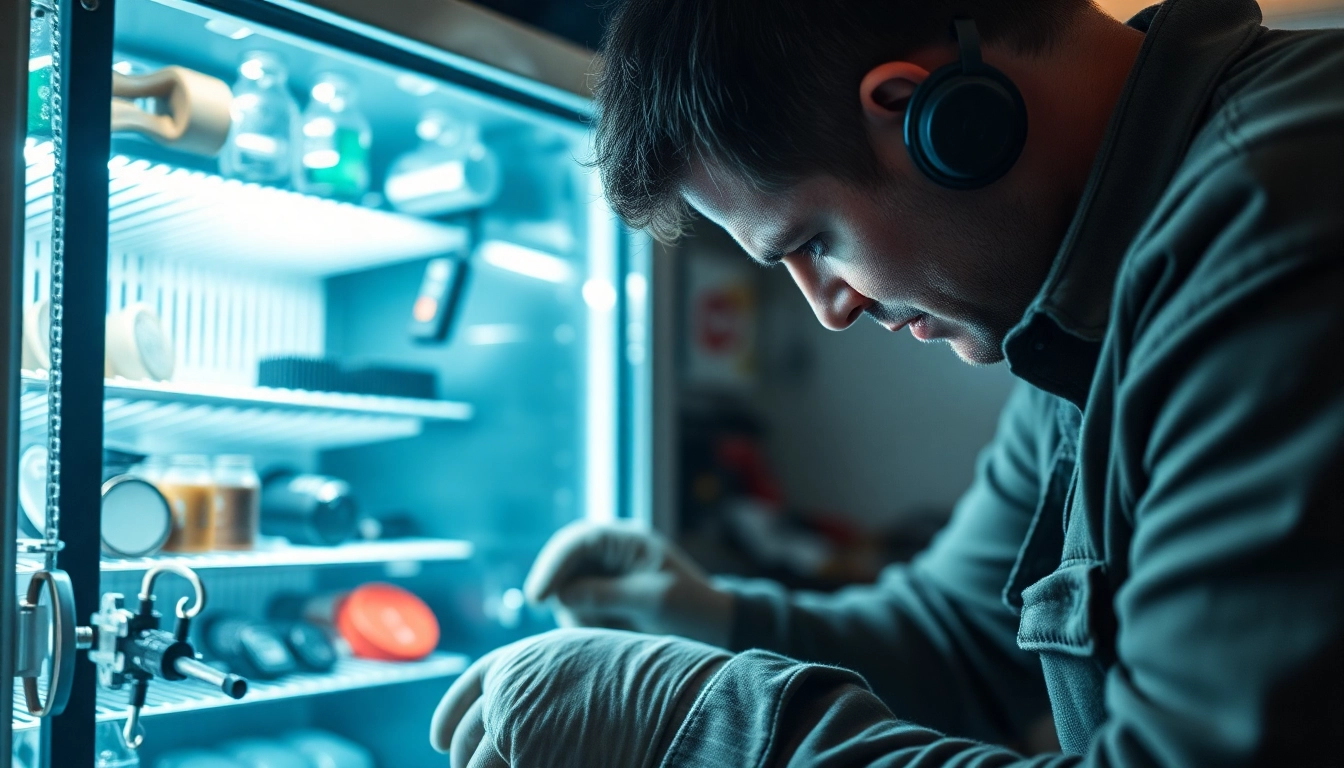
(965, 130)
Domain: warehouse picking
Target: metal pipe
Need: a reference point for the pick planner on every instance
(233, 686)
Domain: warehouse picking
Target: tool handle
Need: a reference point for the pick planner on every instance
(233, 686)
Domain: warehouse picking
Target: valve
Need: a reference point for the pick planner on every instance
(132, 648)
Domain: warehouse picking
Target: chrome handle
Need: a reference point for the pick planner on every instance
(61, 672)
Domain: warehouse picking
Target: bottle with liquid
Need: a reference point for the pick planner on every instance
(189, 487)
(237, 502)
(39, 70)
(264, 117)
(334, 141)
(451, 170)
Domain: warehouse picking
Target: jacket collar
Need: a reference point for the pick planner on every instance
(1187, 46)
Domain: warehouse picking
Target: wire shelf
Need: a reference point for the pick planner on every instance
(189, 696)
(163, 211)
(278, 554)
(168, 417)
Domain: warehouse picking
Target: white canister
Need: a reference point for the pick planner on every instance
(137, 346)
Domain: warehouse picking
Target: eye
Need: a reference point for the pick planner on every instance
(816, 247)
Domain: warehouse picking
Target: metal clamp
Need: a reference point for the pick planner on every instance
(61, 670)
(147, 588)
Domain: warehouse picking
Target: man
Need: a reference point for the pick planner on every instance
(1152, 236)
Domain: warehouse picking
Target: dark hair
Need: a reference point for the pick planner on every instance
(764, 88)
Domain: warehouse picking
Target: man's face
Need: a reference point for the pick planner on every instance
(960, 267)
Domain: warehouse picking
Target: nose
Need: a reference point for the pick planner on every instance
(836, 304)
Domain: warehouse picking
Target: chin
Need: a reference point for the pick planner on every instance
(976, 351)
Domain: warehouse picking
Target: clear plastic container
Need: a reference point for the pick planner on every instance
(451, 170)
(265, 116)
(335, 140)
(237, 502)
(39, 70)
(190, 489)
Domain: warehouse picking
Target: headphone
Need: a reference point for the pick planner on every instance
(966, 123)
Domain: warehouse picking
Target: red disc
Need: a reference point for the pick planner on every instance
(381, 621)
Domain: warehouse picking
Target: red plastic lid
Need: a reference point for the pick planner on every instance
(381, 621)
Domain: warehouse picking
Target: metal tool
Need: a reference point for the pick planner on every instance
(132, 648)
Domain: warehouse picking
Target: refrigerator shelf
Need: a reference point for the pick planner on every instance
(189, 696)
(204, 418)
(282, 555)
(162, 211)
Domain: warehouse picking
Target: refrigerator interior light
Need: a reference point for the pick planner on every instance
(228, 28)
(525, 261)
(437, 179)
(415, 84)
(488, 334)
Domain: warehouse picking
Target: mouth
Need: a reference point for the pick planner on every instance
(910, 321)
(921, 328)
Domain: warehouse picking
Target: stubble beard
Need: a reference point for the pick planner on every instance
(984, 274)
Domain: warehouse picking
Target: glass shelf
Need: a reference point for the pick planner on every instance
(158, 210)
(282, 555)
(169, 417)
(189, 696)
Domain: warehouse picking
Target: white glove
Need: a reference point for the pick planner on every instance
(620, 576)
(586, 698)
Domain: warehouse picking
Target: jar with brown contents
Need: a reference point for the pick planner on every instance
(190, 491)
(237, 502)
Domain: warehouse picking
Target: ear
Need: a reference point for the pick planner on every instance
(887, 88)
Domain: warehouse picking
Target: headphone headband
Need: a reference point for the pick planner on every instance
(968, 41)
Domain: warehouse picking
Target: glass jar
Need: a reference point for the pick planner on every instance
(264, 116)
(237, 502)
(451, 170)
(335, 141)
(189, 488)
(39, 70)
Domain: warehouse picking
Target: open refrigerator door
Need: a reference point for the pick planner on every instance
(321, 330)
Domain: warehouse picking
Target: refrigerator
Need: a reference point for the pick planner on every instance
(316, 321)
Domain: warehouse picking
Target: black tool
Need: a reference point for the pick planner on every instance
(132, 648)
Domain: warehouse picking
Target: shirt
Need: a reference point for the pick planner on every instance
(1153, 545)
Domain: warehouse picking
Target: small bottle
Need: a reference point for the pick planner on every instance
(264, 117)
(334, 141)
(39, 70)
(189, 488)
(237, 502)
(450, 171)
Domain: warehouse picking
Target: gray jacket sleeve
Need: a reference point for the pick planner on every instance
(934, 638)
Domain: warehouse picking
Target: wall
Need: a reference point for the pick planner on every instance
(867, 422)
(864, 422)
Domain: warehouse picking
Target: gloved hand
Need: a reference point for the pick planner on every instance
(585, 698)
(616, 575)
